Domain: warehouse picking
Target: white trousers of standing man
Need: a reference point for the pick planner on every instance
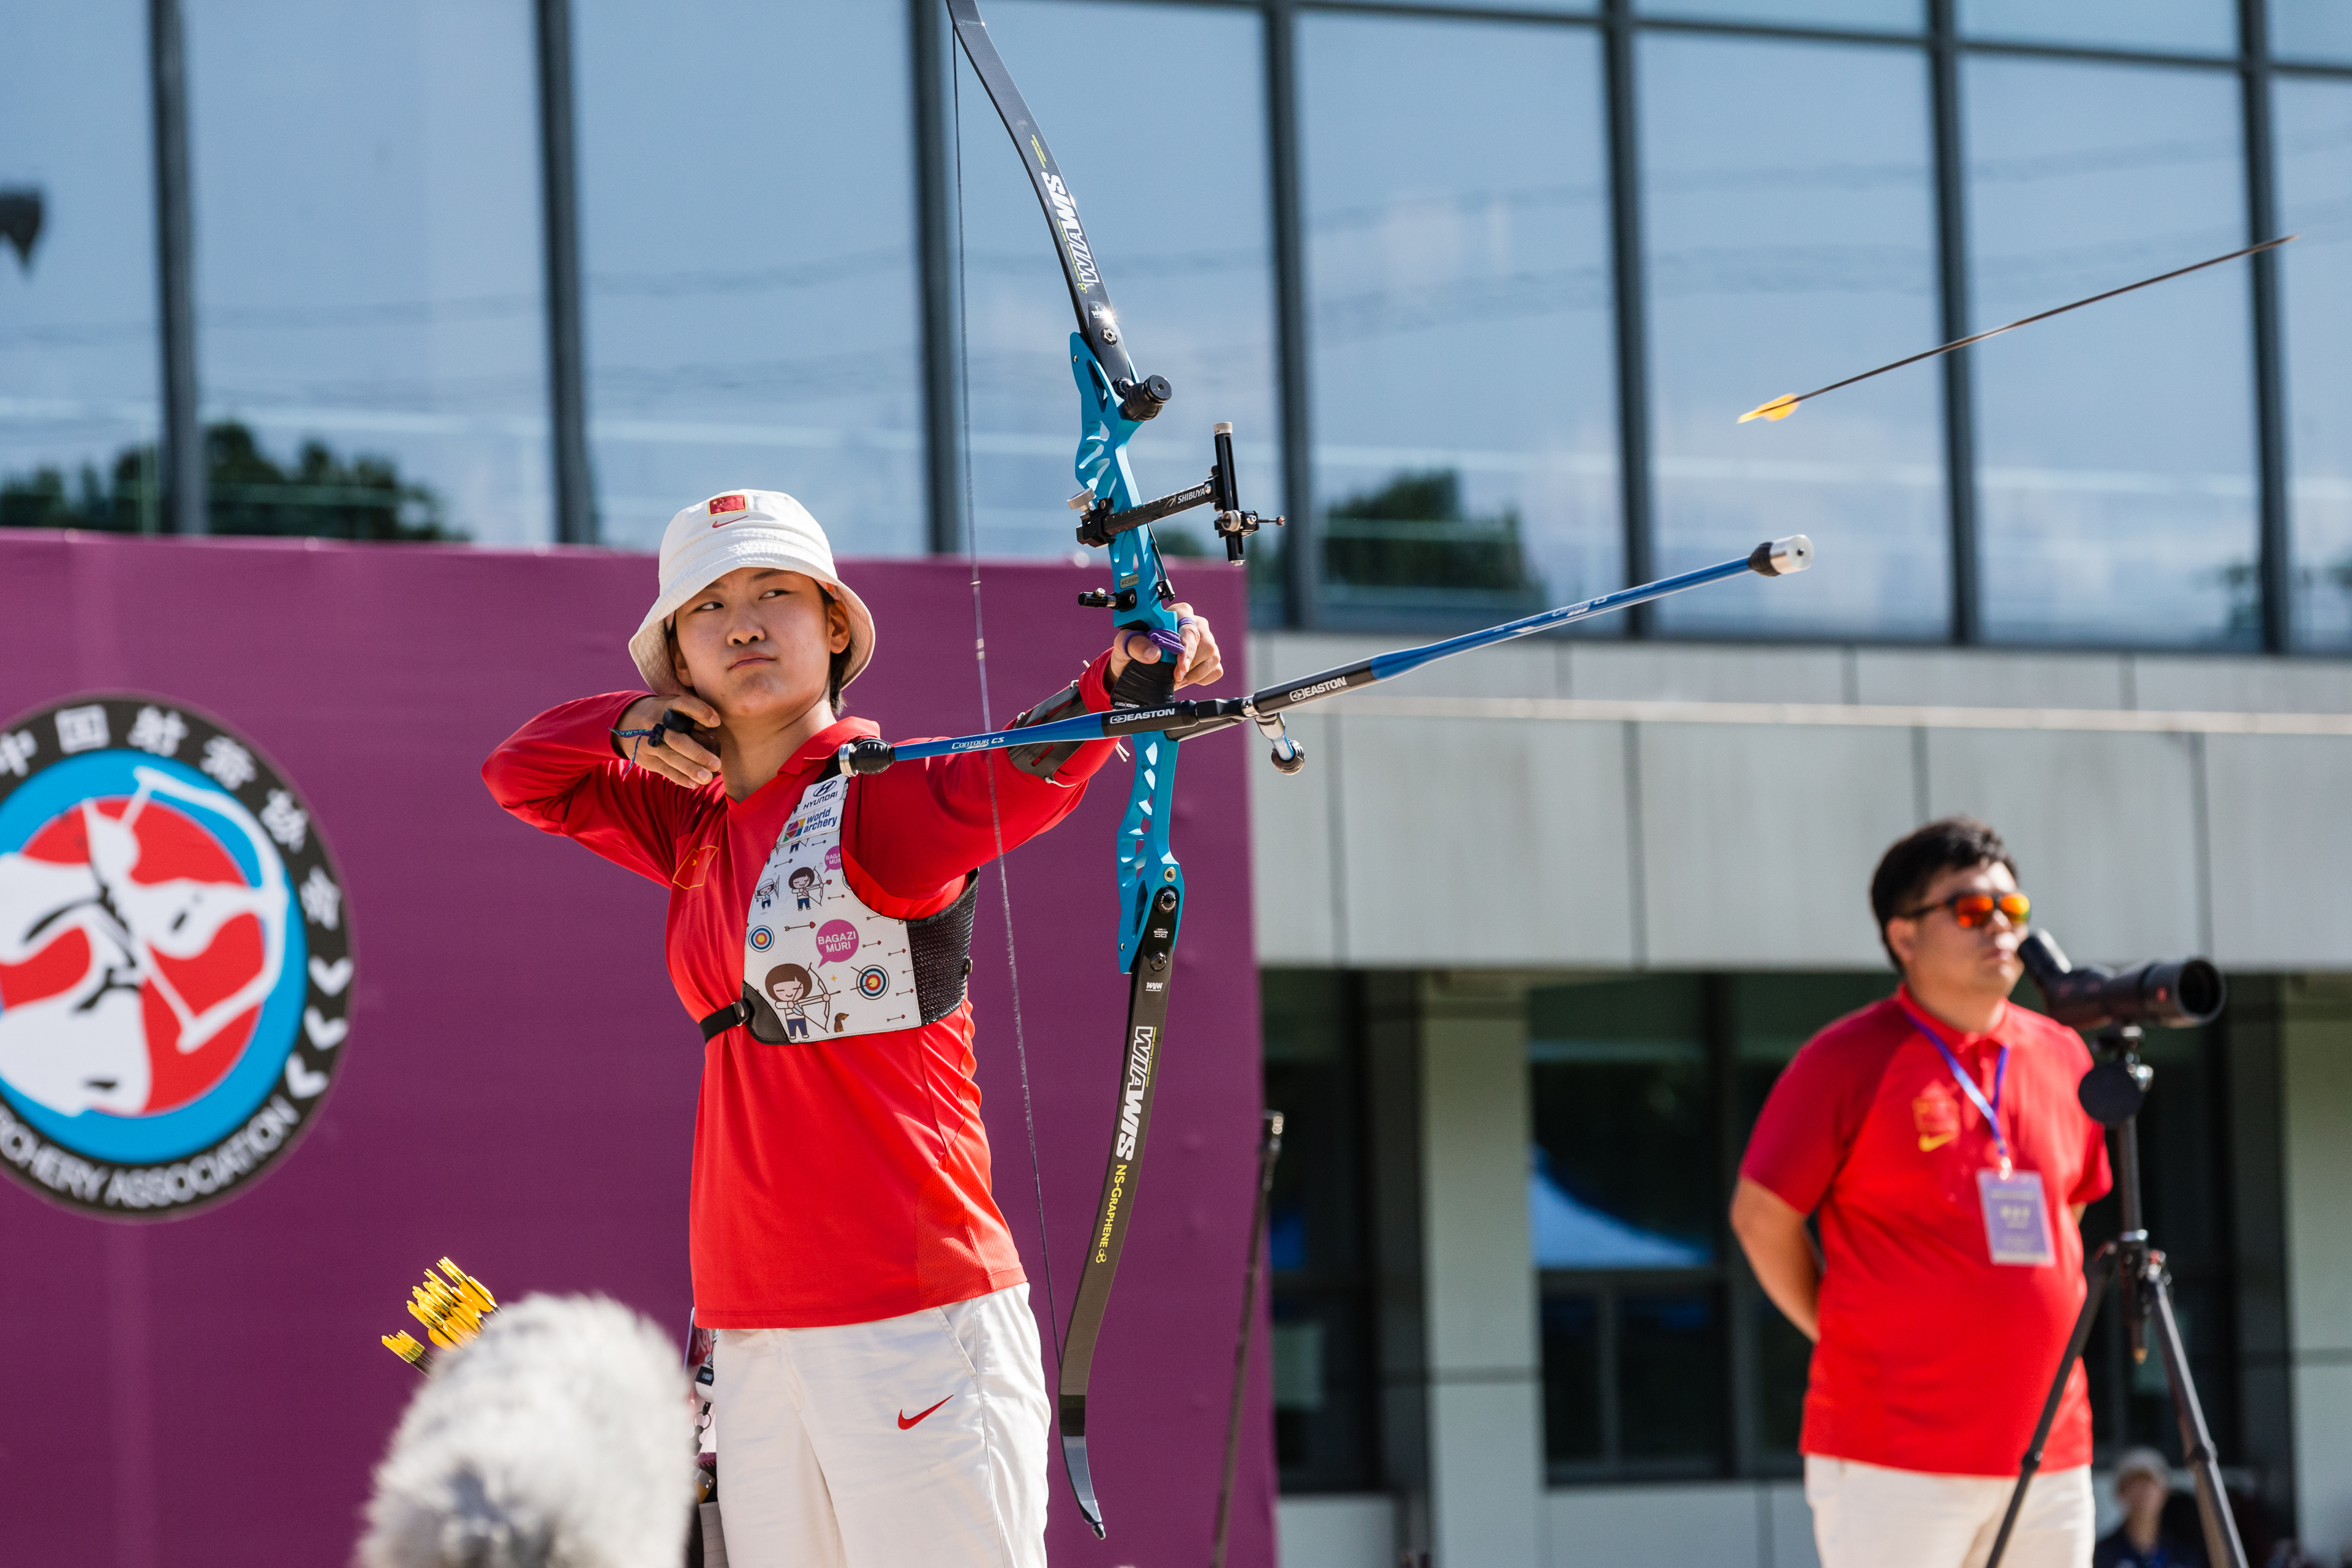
(1867, 1516)
(915, 1440)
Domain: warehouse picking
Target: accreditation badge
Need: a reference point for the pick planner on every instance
(2016, 1220)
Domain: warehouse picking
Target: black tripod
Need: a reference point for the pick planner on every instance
(2112, 1092)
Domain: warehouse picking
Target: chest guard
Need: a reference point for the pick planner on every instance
(818, 964)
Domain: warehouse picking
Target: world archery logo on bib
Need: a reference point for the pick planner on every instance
(176, 968)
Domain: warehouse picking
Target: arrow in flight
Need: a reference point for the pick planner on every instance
(1781, 407)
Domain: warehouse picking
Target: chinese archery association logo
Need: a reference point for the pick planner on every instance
(176, 964)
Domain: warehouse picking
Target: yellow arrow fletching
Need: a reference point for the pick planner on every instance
(406, 1347)
(449, 1311)
(471, 1291)
(1779, 408)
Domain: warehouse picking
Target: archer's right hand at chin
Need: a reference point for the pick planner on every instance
(674, 753)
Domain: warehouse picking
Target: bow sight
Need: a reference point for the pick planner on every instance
(1220, 489)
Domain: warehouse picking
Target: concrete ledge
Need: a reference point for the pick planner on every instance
(1494, 812)
(1827, 673)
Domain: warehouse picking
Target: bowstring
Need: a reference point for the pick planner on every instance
(987, 721)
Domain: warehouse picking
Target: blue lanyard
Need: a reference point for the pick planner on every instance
(1991, 1109)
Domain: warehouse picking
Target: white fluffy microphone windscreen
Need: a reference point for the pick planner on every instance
(562, 1437)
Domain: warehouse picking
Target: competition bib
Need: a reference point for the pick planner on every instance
(818, 963)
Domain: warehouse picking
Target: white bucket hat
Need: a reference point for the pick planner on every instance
(740, 528)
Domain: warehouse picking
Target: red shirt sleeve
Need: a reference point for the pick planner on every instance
(907, 870)
(559, 773)
(1812, 1116)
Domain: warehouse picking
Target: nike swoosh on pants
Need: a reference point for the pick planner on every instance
(906, 1421)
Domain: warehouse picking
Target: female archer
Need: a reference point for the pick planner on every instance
(880, 1389)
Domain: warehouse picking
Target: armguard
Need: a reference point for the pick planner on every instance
(1043, 762)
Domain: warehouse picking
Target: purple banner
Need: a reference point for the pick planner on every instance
(515, 1087)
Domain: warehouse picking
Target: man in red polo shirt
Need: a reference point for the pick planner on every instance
(1936, 1136)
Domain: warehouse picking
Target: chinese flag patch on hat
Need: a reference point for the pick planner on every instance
(721, 505)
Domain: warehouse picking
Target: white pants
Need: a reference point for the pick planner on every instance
(918, 1440)
(1866, 1516)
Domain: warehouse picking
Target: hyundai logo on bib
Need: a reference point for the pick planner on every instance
(175, 968)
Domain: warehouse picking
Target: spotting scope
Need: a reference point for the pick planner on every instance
(2177, 994)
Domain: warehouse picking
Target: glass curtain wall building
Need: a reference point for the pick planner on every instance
(78, 297)
(1483, 289)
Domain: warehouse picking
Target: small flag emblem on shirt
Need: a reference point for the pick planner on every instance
(721, 505)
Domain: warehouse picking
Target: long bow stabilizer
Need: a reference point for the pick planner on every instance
(1113, 403)
(1183, 720)
(1782, 406)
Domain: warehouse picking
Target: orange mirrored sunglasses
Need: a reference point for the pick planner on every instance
(1971, 910)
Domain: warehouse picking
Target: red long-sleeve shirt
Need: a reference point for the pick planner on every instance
(835, 1182)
